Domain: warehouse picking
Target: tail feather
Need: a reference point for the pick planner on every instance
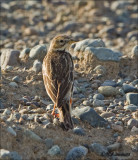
(65, 116)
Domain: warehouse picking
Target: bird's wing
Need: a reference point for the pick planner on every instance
(58, 77)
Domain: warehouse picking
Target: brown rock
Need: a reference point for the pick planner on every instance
(107, 114)
(117, 128)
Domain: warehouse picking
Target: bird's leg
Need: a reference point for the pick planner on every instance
(53, 112)
(70, 101)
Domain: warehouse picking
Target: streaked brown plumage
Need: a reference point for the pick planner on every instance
(58, 77)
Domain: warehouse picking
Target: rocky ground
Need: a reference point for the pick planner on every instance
(105, 93)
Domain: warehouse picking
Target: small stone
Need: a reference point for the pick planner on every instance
(24, 111)
(98, 149)
(49, 142)
(38, 52)
(16, 79)
(11, 130)
(79, 131)
(108, 90)
(7, 155)
(117, 128)
(55, 150)
(49, 107)
(134, 51)
(97, 103)
(134, 129)
(86, 103)
(76, 66)
(98, 96)
(77, 153)
(129, 88)
(6, 112)
(30, 134)
(114, 147)
(132, 98)
(107, 114)
(131, 123)
(45, 122)
(24, 53)
(29, 31)
(135, 115)
(37, 66)
(100, 69)
(8, 68)
(131, 107)
(13, 84)
(109, 83)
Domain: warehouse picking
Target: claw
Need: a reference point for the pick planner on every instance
(56, 115)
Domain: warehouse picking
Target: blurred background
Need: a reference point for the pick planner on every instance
(31, 22)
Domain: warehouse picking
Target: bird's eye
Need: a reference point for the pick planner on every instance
(61, 41)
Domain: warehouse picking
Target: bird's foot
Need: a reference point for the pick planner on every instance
(56, 115)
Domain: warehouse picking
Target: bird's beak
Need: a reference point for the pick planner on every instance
(72, 41)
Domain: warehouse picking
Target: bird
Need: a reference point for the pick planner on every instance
(58, 77)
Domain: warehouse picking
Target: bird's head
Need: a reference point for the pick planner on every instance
(61, 42)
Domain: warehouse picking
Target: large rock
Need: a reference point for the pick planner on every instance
(92, 53)
(77, 153)
(108, 90)
(38, 52)
(9, 57)
(87, 114)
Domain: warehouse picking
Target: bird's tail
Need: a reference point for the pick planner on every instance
(65, 115)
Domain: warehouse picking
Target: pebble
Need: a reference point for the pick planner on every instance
(98, 96)
(131, 123)
(86, 103)
(128, 88)
(132, 98)
(134, 51)
(24, 53)
(117, 128)
(100, 69)
(37, 66)
(108, 90)
(79, 131)
(55, 150)
(97, 103)
(49, 142)
(98, 149)
(134, 129)
(38, 52)
(109, 83)
(114, 147)
(13, 84)
(87, 114)
(77, 153)
(107, 114)
(11, 130)
(131, 107)
(5, 155)
(30, 134)
(6, 112)
(135, 115)
(16, 79)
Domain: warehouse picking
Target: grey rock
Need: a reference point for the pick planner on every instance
(131, 123)
(16, 79)
(78, 35)
(98, 96)
(6, 112)
(107, 114)
(1, 105)
(9, 57)
(77, 153)
(50, 107)
(30, 134)
(132, 98)
(134, 51)
(69, 25)
(82, 45)
(38, 52)
(55, 150)
(131, 107)
(87, 114)
(108, 90)
(8, 68)
(114, 147)
(7, 155)
(135, 82)
(37, 66)
(109, 83)
(119, 5)
(13, 84)
(104, 54)
(79, 131)
(97, 103)
(49, 142)
(86, 103)
(98, 149)
(11, 131)
(100, 69)
(24, 53)
(120, 82)
(129, 88)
